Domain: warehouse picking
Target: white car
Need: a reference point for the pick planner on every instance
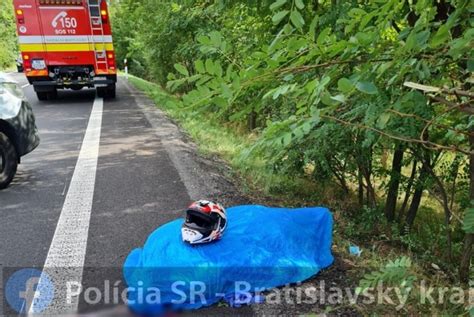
(18, 132)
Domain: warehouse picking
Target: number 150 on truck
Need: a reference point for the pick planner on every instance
(66, 44)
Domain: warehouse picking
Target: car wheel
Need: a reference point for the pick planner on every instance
(8, 161)
(42, 95)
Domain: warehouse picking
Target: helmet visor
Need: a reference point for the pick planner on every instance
(199, 221)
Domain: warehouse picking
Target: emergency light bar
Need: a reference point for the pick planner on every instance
(60, 2)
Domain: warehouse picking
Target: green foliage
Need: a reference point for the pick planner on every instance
(364, 223)
(394, 273)
(8, 49)
(468, 224)
(155, 36)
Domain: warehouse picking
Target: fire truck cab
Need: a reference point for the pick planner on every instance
(66, 44)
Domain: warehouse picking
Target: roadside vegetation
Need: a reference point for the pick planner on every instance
(362, 106)
(8, 49)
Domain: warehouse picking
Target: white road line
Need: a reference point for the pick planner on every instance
(25, 85)
(66, 255)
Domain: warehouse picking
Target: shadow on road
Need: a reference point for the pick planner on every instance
(68, 96)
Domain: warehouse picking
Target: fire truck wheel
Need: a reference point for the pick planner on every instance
(53, 94)
(8, 161)
(101, 92)
(111, 91)
(42, 95)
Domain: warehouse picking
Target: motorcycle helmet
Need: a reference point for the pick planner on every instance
(205, 222)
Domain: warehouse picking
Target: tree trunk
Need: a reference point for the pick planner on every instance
(467, 255)
(366, 168)
(469, 238)
(360, 191)
(337, 169)
(415, 202)
(395, 174)
(411, 180)
(252, 121)
(371, 197)
(447, 212)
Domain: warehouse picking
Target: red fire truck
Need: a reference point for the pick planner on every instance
(66, 44)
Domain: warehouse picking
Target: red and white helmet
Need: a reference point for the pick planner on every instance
(205, 222)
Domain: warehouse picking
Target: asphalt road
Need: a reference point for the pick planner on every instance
(144, 174)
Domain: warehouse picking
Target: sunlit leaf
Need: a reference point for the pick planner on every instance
(181, 69)
(441, 36)
(312, 26)
(339, 98)
(383, 120)
(366, 87)
(323, 36)
(216, 38)
(345, 85)
(328, 100)
(218, 69)
(210, 66)
(204, 39)
(279, 16)
(299, 4)
(277, 4)
(297, 19)
(286, 140)
(199, 65)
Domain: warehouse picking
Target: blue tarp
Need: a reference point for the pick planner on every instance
(262, 248)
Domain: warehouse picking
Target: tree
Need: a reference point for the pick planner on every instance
(8, 50)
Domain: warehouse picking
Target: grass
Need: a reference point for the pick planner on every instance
(352, 226)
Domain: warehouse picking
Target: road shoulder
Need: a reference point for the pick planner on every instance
(203, 177)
